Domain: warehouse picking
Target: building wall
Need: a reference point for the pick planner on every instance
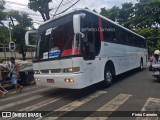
(16, 54)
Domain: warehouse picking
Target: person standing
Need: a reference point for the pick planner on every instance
(14, 73)
(2, 90)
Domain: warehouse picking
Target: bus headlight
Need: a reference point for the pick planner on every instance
(37, 79)
(69, 80)
(36, 72)
(74, 69)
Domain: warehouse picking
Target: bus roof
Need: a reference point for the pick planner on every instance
(59, 16)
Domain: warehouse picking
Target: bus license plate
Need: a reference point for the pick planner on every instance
(50, 81)
(156, 73)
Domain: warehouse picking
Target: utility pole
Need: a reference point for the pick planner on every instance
(10, 34)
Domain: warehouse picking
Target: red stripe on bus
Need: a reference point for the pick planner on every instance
(69, 52)
(101, 29)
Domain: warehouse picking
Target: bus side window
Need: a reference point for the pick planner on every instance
(109, 32)
(105, 28)
(88, 34)
(96, 33)
(136, 42)
(142, 43)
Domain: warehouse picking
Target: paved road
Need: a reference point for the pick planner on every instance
(135, 91)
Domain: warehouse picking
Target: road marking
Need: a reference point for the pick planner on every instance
(24, 94)
(69, 107)
(41, 104)
(20, 102)
(110, 106)
(152, 104)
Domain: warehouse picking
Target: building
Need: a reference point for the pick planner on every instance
(6, 54)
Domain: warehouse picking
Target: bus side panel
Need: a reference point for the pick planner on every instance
(134, 56)
(115, 53)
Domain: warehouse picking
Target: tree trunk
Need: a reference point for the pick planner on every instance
(11, 20)
(24, 56)
(4, 47)
(47, 13)
(31, 53)
(23, 53)
(42, 14)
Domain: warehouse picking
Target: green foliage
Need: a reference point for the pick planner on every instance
(33, 39)
(1, 61)
(95, 11)
(112, 13)
(42, 6)
(4, 34)
(125, 15)
(152, 36)
(19, 30)
(143, 18)
(147, 13)
(121, 15)
(19, 34)
(22, 19)
(2, 3)
(2, 14)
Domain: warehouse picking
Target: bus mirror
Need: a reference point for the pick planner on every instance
(28, 36)
(77, 23)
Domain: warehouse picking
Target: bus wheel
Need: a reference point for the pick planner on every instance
(108, 77)
(141, 65)
(29, 80)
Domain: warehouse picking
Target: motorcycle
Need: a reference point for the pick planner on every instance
(156, 71)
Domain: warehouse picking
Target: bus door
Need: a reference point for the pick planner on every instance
(88, 48)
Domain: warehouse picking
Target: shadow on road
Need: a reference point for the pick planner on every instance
(126, 75)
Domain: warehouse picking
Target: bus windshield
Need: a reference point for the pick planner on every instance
(57, 42)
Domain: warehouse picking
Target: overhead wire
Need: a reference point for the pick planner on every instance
(68, 8)
(67, 4)
(25, 5)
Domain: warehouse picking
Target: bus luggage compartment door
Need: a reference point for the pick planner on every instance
(89, 68)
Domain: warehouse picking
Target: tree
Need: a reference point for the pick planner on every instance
(94, 10)
(19, 30)
(112, 13)
(19, 35)
(153, 37)
(122, 15)
(126, 14)
(22, 18)
(143, 18)
(42, 6)
(4, 34)
(2, 14)
(147, 13)
(147, 22)
(4, 37)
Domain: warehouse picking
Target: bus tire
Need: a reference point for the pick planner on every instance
(29, 79)
(108, 77)
(141, 65)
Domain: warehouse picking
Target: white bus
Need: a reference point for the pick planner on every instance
(82, 48)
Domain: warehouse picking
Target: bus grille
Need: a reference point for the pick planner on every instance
(50, 71)
(55, 70)
(45, 71)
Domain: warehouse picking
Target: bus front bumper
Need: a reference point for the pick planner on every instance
(69, 80)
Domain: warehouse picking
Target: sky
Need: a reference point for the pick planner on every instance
(21, 5)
